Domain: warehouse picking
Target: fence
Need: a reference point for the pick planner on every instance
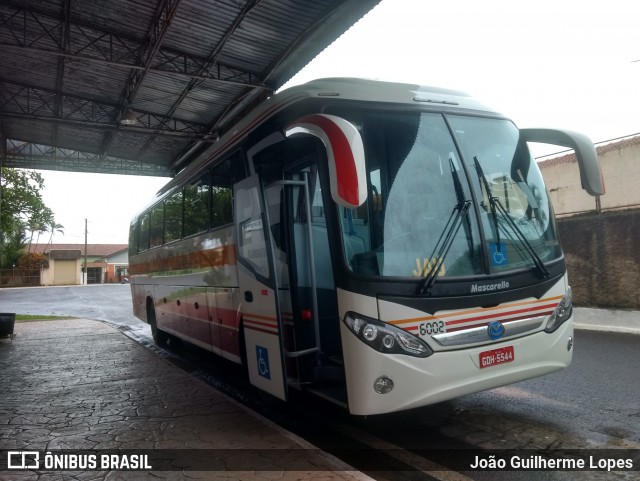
(19, 277)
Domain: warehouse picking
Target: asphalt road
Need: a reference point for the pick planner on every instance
(104, 302)
(593, 404)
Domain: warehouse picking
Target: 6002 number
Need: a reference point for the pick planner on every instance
(432, 327)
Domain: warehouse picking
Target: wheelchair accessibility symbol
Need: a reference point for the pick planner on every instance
(498, 254)
(262, 358)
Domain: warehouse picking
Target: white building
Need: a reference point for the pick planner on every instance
(66, 263)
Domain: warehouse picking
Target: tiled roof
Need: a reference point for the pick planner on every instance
(102, 250)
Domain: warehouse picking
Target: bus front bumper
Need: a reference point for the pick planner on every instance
(446, 375)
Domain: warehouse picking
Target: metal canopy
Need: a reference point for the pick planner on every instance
(135, 86)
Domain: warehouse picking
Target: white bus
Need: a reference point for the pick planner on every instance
(385, 246)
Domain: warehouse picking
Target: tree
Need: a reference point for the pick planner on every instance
(33, 261)
(53, 228)
(12, 243)
(21, 209)
(38, 224)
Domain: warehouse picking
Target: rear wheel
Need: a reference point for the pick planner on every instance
(159, 337)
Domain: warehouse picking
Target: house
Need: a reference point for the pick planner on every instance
(117, 266)
(66, 263)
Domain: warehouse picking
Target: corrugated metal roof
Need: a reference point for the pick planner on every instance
(73, 69)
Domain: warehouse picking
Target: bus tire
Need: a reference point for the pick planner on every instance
(159, 337)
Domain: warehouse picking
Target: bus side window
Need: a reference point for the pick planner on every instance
(173, 217)
(133, 238)
(196, 206)
(143, 236)
(156, 226)
(222, 194)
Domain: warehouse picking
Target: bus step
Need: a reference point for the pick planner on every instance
(336, 360)
(328, 373)
(334, 394)
(296, 384)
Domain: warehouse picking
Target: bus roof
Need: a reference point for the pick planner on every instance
(343, 88)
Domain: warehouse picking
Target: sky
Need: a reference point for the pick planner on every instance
(549, 63)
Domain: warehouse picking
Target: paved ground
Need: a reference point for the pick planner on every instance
(608, 320)
(82, 385)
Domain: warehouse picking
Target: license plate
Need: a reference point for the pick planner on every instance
(496, 356)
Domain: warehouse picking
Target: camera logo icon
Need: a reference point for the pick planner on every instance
(23, 459)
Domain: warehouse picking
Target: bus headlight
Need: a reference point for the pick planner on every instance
(384, 337)
(561, 313)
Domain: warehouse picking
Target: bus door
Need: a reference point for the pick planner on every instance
(261, 316)
(314, 335)
(303, 269)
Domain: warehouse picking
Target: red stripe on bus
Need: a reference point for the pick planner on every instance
(440, 317)
(247, 326)
(484, 324)
(163, 260)
(258, 316)
(479, 324)
(263, 324)
(497, 315)
(347, 176)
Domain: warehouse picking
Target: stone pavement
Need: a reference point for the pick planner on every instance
(82, 385)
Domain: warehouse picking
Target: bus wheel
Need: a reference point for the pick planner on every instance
(159, 337)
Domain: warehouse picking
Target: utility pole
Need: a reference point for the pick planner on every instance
(3, 161)
(84, 271)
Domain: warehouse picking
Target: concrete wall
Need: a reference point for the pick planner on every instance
(562, 177)
(48, 277)
(603, 258)
(620, 163)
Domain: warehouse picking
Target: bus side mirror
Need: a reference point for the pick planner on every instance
(590, 173)
(345, 154)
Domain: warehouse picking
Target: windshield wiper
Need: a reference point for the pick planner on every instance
(448, 233)
(495, 204)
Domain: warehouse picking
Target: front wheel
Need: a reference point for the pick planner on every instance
(159, 337)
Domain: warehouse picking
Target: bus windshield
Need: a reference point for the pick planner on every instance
(419, 179)
(517, 217)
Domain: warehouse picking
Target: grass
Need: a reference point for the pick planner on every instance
(38, 317)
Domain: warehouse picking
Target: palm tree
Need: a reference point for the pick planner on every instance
(35, 225)
(38, 223)
(53, 228)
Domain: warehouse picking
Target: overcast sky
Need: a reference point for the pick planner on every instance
(555, 63)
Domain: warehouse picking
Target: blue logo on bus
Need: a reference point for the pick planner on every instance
(498, 254)
(262, 359)
(495, 330)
